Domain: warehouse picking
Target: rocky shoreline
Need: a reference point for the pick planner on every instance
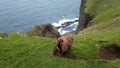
(47, 30)
(65, 24)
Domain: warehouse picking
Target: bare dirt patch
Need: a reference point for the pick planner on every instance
(111, 52)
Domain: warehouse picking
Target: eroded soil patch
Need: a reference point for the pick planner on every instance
(110, 53)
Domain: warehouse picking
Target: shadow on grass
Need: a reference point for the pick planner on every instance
(66, 55)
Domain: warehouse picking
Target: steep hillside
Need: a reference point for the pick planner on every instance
(97, 46)
(103, 29)
(19, 51)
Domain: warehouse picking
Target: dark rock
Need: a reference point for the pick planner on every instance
(3, 35)
(73, 32)
(85, 18)
(65, 24)
(44, 30)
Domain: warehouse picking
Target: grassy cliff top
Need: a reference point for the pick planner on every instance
(20, 51)
(103, 9)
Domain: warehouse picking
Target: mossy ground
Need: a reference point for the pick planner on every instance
(20, 51)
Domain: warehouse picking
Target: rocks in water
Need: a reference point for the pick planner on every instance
(68, 26)
(65, 24)
(73, 32)
(46, 30)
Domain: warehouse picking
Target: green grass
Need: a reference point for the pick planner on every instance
(20, 51)
(103, 10)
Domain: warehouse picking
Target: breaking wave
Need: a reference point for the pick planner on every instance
(66, 25)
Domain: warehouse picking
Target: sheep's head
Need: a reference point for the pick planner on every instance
(59, 44)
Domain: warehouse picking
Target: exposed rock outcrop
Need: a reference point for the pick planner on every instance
(3, 35)
(84, 18)
(44, 30)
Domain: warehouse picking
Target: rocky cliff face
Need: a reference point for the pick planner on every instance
(84, 18)
(46, 30)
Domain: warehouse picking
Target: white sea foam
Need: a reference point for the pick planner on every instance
(61, 31)
(60, 22)
(75, 23)
(63, 21)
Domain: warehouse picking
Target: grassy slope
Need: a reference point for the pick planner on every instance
(33, 52)
(103, 9)
(18, 51)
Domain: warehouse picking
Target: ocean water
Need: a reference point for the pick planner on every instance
(23, 15)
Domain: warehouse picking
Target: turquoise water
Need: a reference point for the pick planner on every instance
(22, 15)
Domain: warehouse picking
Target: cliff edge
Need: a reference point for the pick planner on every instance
(84, 17)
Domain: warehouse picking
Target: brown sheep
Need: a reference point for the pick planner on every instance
(64, 43)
